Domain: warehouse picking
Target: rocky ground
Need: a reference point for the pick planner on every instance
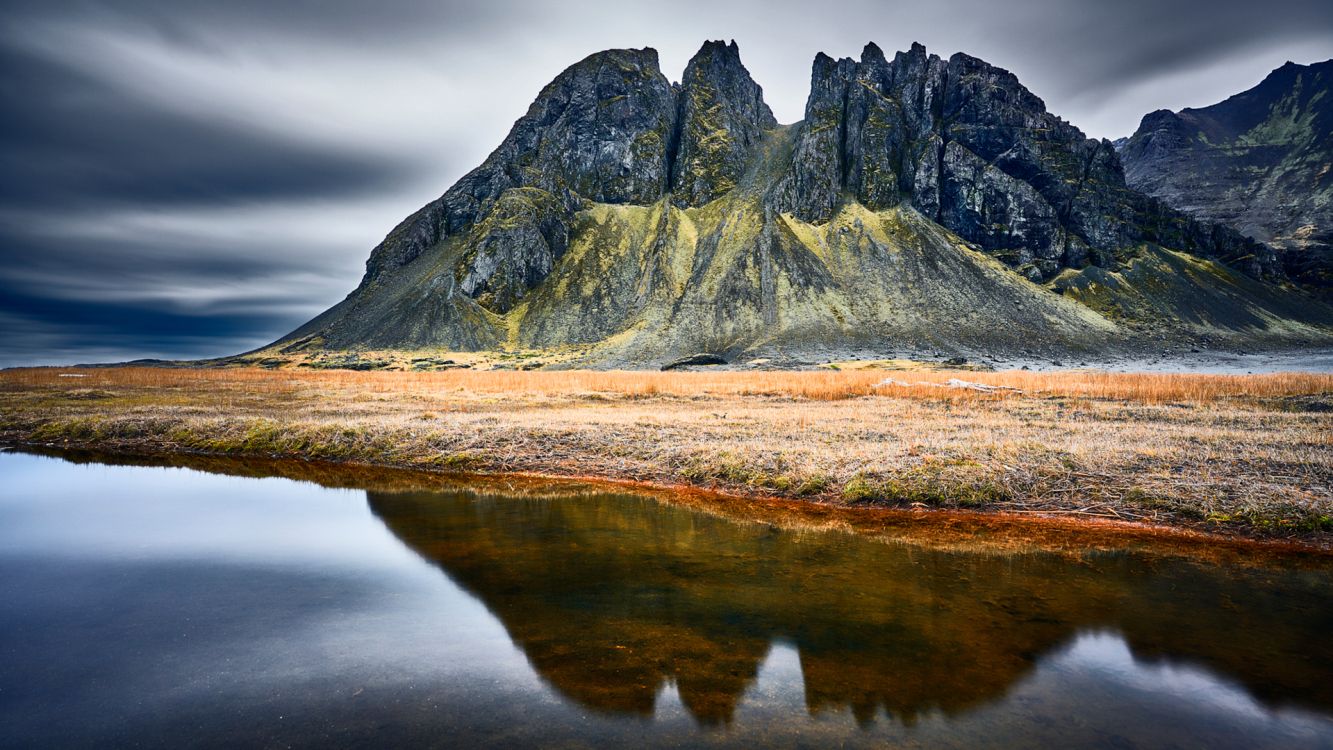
(1178, 357)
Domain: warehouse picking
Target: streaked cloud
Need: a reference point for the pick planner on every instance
(187, 178)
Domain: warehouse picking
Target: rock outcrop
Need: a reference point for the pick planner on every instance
(602, 131)
(921, 203)
(723, 118)
(966, 144)
(1260, 162)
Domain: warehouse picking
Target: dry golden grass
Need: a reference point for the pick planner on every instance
(1249, 453)
(819, 385)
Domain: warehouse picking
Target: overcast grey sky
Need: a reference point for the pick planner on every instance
(194, 178)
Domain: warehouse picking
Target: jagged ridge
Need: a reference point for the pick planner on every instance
(631, 219)
(1261, 162)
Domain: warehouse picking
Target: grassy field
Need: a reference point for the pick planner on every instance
(1242, 454)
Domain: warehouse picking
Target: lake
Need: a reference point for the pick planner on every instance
(170, 607)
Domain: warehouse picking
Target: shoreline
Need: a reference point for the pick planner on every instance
(971, 531)
(1231, 457)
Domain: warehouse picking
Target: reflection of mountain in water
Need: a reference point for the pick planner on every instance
(611, 597)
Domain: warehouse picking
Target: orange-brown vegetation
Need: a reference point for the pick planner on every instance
(1247, 453)
(821, 385)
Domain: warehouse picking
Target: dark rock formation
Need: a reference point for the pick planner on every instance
(514, 247)
(695, 360)
(625, 219)
(967, 145)
(610, 129)
(601, 131)
(1259, 162)
(722, 119)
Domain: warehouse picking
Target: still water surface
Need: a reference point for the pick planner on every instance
(171, 607)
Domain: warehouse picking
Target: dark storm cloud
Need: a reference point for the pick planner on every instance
(99, 296)
(193, 177)
(70, 141)
(190, 21)
(115, 325)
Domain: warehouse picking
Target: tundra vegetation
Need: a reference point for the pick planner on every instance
(1247, 455)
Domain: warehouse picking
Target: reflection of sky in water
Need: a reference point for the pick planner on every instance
(150, 604)
(1097, 678)
(1094, 682)
(159, 514)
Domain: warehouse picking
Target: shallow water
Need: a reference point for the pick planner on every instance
(168, 607)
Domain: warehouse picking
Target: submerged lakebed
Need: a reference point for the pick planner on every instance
(168, 606)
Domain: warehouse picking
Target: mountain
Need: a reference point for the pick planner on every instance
(922, 203)
(1261, 162)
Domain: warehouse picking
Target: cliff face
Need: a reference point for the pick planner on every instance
(1260, 162)
(602, 131)
(629, 219)
(722, 119)
(967, 145)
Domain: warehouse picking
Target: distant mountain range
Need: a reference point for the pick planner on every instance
(1260, 162)
(922, 203)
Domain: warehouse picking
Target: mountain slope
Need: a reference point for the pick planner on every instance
(1261, 162)
(922, 203)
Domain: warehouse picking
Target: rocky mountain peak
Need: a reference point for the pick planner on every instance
(609, 129)
(1256, 162)
(872, 55)
(969, 146)
(717, 48)
(625, 212)
(722, 118)
(602, 130)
